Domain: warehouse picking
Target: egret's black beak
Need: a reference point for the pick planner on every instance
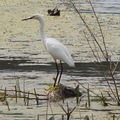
(28, 18)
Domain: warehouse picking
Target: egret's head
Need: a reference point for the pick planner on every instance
(35, 16)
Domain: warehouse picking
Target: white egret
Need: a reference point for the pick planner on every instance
(55, 48)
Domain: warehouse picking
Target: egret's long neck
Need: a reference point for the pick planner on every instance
(43, 36)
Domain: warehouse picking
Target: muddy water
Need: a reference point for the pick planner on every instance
(24, 59)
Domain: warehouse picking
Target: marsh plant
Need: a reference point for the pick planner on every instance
(99, 49)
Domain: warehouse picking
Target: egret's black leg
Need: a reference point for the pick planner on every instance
(57, 73)
(60, 72)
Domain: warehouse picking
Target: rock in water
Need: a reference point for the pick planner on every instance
(61, 91)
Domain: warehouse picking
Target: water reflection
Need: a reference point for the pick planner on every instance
(107, 1)
(104, 6)
(18, 59)
(90, 69)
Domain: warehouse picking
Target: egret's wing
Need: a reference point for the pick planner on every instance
(59, 51)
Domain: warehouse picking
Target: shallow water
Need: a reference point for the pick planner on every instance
(23, 58)
(103, 6)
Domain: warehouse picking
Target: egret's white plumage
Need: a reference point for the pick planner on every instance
(55, 48)
(58, 51)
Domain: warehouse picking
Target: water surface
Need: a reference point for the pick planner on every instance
(24, 59)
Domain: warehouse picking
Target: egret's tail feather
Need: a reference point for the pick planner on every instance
(70, 62)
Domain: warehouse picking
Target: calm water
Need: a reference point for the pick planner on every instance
(20, 65)
(104, 6)
(21, 60)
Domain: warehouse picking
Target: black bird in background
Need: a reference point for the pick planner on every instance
(54, 12)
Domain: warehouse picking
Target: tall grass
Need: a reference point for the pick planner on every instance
(103, 51)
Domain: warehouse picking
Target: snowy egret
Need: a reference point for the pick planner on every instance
(55, 48)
